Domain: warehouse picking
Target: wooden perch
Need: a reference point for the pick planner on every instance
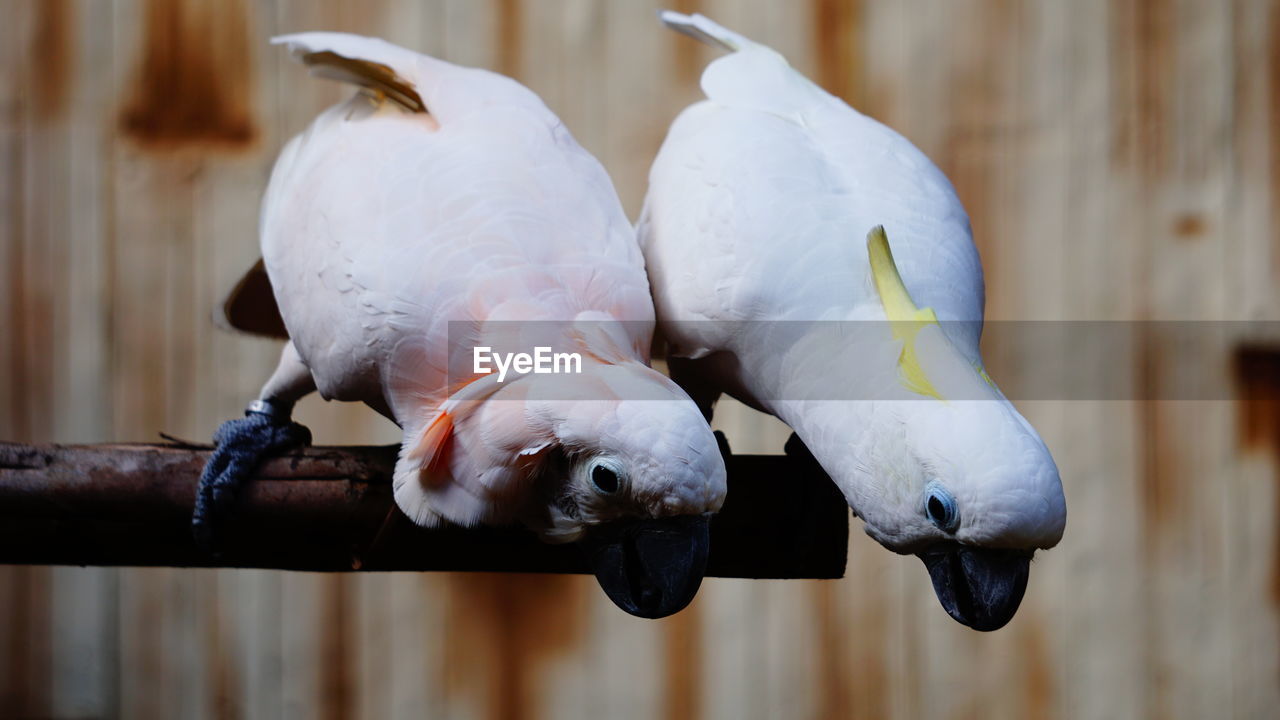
(330, 508)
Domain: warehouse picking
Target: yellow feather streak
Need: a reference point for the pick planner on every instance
(905, 319)
(982, 372)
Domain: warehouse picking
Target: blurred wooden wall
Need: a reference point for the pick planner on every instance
(1120, 161)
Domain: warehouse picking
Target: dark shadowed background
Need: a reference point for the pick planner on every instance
(1120, 161)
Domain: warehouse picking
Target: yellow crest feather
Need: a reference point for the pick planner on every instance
(905, 319)
(982, 373)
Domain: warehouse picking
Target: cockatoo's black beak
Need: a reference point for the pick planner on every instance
(649, 567)
(979, 587)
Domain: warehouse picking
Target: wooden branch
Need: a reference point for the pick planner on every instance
(330, 509)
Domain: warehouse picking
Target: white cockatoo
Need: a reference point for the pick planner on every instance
(443, 219)
(766, 231)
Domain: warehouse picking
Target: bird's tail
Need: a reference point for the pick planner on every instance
(377, 65)
(418, 83)
(704, 29)
(754, 76)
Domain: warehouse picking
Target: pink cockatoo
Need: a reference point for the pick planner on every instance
(443, 211)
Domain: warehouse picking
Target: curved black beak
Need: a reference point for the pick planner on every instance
(979, 587)
(649, 567)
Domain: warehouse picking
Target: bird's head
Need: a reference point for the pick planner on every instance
(947, 469)
(969, 487)
(633, 479)
(613, 456)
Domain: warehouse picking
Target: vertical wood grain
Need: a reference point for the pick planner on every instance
(1119, 162)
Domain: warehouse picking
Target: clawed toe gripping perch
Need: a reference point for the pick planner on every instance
(240, 447)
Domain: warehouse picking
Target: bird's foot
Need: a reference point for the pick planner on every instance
(798, 451)
(723, 443)
(240, 446)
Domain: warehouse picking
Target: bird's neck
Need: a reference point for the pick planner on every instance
(841, 362)
(829, 385)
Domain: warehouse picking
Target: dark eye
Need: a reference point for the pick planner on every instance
(941, 508)
(605, 479)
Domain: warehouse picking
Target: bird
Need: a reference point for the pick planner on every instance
(814, 264)
(440, 220)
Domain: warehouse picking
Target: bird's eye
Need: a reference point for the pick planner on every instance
(940, 507)
(605, 478)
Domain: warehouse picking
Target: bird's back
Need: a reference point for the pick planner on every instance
(381, 222)
(782, 182)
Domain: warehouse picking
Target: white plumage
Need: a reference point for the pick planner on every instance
(756, 224)
(394, 238)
